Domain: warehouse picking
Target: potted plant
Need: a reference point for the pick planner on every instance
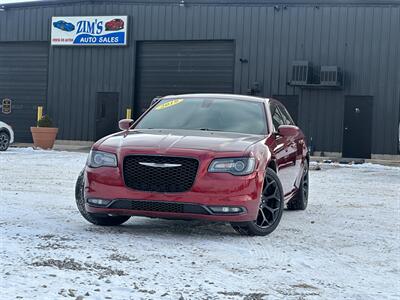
(44, 134)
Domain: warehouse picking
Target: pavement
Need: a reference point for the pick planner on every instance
(72, 147)
(84, 146)
(355, 161)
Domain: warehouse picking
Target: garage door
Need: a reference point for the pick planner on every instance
(165, 68)
(23, 79)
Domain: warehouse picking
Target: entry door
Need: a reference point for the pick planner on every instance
(357, 129)
(106, 114)
(291, 102)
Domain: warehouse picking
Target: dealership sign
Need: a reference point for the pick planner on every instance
(95, 31)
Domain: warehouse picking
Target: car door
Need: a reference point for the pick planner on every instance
(285, 150)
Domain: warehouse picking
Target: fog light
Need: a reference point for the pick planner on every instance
(226, 209)
(99, 202)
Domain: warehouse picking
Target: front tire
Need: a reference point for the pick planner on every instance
(96, 219)
(4, 141)
(270, 209)
(300, 200)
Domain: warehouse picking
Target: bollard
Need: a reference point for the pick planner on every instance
(39, 113)
(129, 113)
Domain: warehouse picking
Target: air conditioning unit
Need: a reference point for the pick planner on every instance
(330, 76)
(301, 73)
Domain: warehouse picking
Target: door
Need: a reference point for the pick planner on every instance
(23, 80)
(178, 67)
(291, 102)
(106, 114)
(357, 129)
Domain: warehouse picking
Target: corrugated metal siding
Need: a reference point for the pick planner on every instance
(174, 67)
(363, 40)
(23, 79)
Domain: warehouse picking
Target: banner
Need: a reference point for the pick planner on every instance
(92, 31)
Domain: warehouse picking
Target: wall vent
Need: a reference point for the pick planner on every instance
(330, 76)
(301, 72)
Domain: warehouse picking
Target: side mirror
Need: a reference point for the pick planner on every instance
(288, 130)
(125, 124)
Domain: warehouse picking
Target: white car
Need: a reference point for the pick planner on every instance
(6, 136)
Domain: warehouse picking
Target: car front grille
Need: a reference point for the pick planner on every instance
(159, 206)
(162, 174)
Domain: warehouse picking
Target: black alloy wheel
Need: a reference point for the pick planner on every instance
(96, 219)
(300, 200)
(269, 211)
(270, 204)
(4, 141)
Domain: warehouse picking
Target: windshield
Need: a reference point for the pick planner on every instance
(207, 114)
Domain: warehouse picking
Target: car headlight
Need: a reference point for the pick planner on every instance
(101, 159)
(234, 166)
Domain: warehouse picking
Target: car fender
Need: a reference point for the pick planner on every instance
(263, 156)
(7, 129)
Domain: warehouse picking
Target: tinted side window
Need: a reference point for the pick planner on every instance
(286, 116)
(277, 119)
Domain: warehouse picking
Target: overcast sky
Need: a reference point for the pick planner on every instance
(15, 1)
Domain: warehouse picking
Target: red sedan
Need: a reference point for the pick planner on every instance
(115, 24)
(217, 157)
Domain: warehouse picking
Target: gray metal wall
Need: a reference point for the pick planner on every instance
(363, 40)
(23, 78)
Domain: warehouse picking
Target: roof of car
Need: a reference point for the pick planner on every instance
(220, 96)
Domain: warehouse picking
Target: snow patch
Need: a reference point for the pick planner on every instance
(345, 245)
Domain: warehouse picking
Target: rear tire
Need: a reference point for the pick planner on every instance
(96, 219)
(4, 141)
(300, 200)
(270, 209)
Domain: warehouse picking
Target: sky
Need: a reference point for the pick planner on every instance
(14, 1)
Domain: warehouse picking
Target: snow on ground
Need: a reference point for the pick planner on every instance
(345, 245)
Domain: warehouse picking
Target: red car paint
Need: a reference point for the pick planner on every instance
(286, 154)
(115, 24)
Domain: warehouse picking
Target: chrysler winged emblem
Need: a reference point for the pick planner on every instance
(155, 165)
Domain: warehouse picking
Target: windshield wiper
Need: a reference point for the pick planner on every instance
(208, 129)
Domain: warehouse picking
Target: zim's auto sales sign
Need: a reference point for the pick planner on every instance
(89, 31)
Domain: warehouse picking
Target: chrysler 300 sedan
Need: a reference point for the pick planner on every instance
(216, 157)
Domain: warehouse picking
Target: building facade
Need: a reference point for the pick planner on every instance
(334, 64)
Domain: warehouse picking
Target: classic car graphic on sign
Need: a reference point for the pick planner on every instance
(65, 26)
(113, 25)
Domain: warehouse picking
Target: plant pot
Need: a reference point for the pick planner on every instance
(44, 137)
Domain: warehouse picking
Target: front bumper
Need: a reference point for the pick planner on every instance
(209, 190)
(166, 209)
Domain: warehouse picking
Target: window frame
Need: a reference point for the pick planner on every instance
(286, 114)
(273, 107)
(168, 98)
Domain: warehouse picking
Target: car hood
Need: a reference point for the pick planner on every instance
(164, 140)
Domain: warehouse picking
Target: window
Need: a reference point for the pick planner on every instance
(276, 114)
(214, 114)
(286, 116)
